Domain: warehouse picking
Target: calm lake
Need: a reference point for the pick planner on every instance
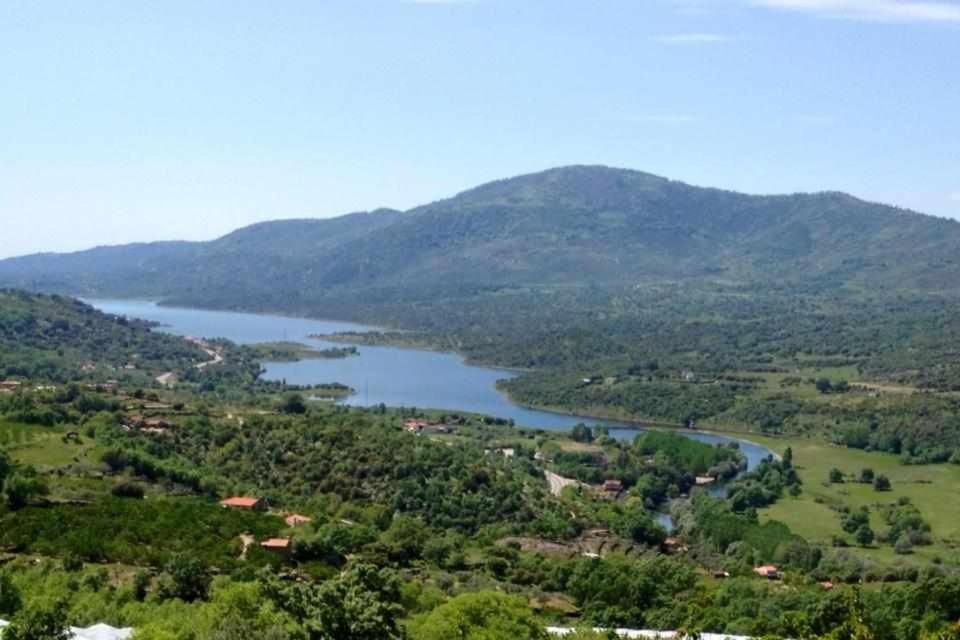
(393, 376)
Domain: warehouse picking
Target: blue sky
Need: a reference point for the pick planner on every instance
(125, 121)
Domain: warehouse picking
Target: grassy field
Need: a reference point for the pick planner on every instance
(932, 488)
(44, 447)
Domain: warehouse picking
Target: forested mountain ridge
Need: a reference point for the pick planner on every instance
(571, 226)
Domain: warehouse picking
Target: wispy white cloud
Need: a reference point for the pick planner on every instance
(955, 196)
(688, 39)
(876, 10)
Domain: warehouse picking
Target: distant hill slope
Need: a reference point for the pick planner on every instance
(580, 225)
(61, 339)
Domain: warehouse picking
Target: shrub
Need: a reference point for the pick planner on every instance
(903, 545)
(128, 490)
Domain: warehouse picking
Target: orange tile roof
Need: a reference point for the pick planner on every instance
(276, 543)
(240, 502)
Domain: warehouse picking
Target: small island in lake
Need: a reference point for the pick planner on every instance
(294, 352)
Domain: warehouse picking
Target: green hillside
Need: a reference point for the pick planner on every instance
(58, 338)
(586, 270)
(572, 226)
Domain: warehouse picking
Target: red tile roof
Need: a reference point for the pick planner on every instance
(241, 502)
(276, 543)
(295, 519)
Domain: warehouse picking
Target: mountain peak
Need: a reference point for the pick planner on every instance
(568, 225)
(573, 184)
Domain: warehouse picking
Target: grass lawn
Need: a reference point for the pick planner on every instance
(13, 434)
(932, 488)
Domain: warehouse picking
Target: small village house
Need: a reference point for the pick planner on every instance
(156, 425)
(613, 486)
(767, 571)
(415, 426)
(244, 502)
(276, 544)
(673, 545)
(295, 520)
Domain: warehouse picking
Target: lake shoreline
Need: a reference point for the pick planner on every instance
(394, 376)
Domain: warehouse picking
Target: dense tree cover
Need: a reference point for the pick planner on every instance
(553, 225)
(676, 402)
(689, 455)
(382, 498)
(52, 338)
(481, 616)
(404, 525)
(348, 454)
(617, 591)
(741, 538)
(39, 622)
(764, 485)
(691, 277)
(19, 484)
(921, 427)
(657, 466)
(139, 532)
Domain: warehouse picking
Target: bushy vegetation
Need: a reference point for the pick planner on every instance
(52, 338)
(445, 533)
(137, 532)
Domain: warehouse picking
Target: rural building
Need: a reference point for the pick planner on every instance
(613, 486)
(243, 502)
(768, 571)
(276, 544)
(705, 480)
(9, 385)
(156, 424)
(295, 520)
(673, 545)
(415, 426)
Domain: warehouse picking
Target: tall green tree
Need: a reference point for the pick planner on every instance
(23, 485)
(44, 621)
(362, 603)
(9, 596)
(485, 615)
